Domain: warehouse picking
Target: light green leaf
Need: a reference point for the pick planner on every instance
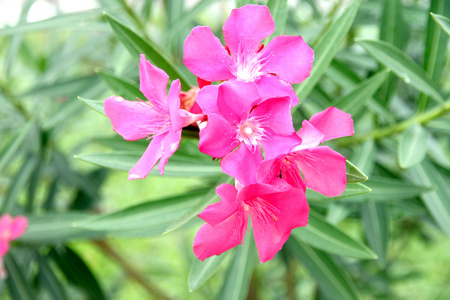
(56, 228)
(49, 279)
(326, 49)
(12, 148)
(325, 236)
(178, 165)
(354, 175)
(376, 225)
(352, 189)
(364, 156)
(437, 201)
(123, 86)
(402, 65)
(137, 45)
(149, 216)
(358, 97)
(18, 287)
(279, 10)
(237, 278)
(96, 105)
(201, 271)
(443, 22)
(412, 146)
(332, 278)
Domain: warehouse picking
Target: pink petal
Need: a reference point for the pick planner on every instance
(311, 137)
(131, 119)
(149, 159)
(18, 227)
(333, 123)
(324, 170)
(277, 115)
(170, 144)
(205, 56)
(271, 86)
(246, 27)
(242, 164)
(215, 240)
(153, 82)
(278, 145)
(289, 57)
(218, 138)
(173, 101)
(5, 223)
(4, 247)
(220, 211)
(235, 99)
(207, 99)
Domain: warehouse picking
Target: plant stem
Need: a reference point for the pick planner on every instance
(151, 289)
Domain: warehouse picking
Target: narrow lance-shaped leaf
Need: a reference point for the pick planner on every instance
(136, 45)
(412, 146)
(376, 225)
(279, 10)
(49, 279)
(19, 288)
(332, 278)
(325, 236)
(352, 190)
(11, 148)
(96, 105)
(442, 21)
(402, 65)
(124, 87)
(201, 271)
(354, 175)
(326, 49)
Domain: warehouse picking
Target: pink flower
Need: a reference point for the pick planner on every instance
(286, 59)
(237, 115)
(10, 229)
(159, 118)
(322, 168)
(274, 209)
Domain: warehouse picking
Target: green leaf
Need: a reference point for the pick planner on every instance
(352, 189)
(354, 175)
(358, 97)
(402, 65)
(325, 236)
(208, 199)
(237, 278)
(437, 201)
(201, 271)
(412, 147)
(178, 165)
(364, 156)
(12, 148)
(279, 10)
(96, 105)
(442, 21)
(136, 45)
(123, 86)
(49, 279)
(376, 225)
(52, 228)
(332, 278)
(153, 216)
(77, 272)
(18, 287)
(326, 49)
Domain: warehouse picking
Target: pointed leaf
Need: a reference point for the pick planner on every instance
(376, 225)
(443, 22)
(352, 189)
(354, 175)
(402, 65)
(201, 271)
(49, 279)
(19, 288)
(123, 86)
(412, 146)
(96, 105)
(12, 148)
(325, 236)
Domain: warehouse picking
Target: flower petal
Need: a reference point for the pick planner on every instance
(149, 159)
(220, 211)
(271, 86)
(153, 83)
(289, 57)
(235, 99)
(215, 240)
(277, 115)
(207, 99)
(170, 144)
(205, 56)
(4, 247)
(311, 137)
(131, 119)
(278, 145)
(333, 123)
(246, 27)
(218, 138)
(324, 170)
(18, 227)
(242, 164)
(173, 101)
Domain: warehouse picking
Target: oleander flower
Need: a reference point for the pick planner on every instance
(10, 229)
(285, 59)
(160, 118)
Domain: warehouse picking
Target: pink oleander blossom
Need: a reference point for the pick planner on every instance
(10, 229)
(159, 118)
(285, 59)
(238, 116)
(323, 169)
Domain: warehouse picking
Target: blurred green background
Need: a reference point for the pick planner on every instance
(52, 52)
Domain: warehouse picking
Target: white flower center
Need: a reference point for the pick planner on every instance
(250, 131)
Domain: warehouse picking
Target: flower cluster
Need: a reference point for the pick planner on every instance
(246, 122)
(10, 229)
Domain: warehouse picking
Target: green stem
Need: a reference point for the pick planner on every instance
(420, 118)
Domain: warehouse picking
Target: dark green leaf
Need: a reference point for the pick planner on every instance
(376, 225)
(12, 148)
(19, 288)
(412, 146)
(49, 279)
(123, 86)
(354, 175)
